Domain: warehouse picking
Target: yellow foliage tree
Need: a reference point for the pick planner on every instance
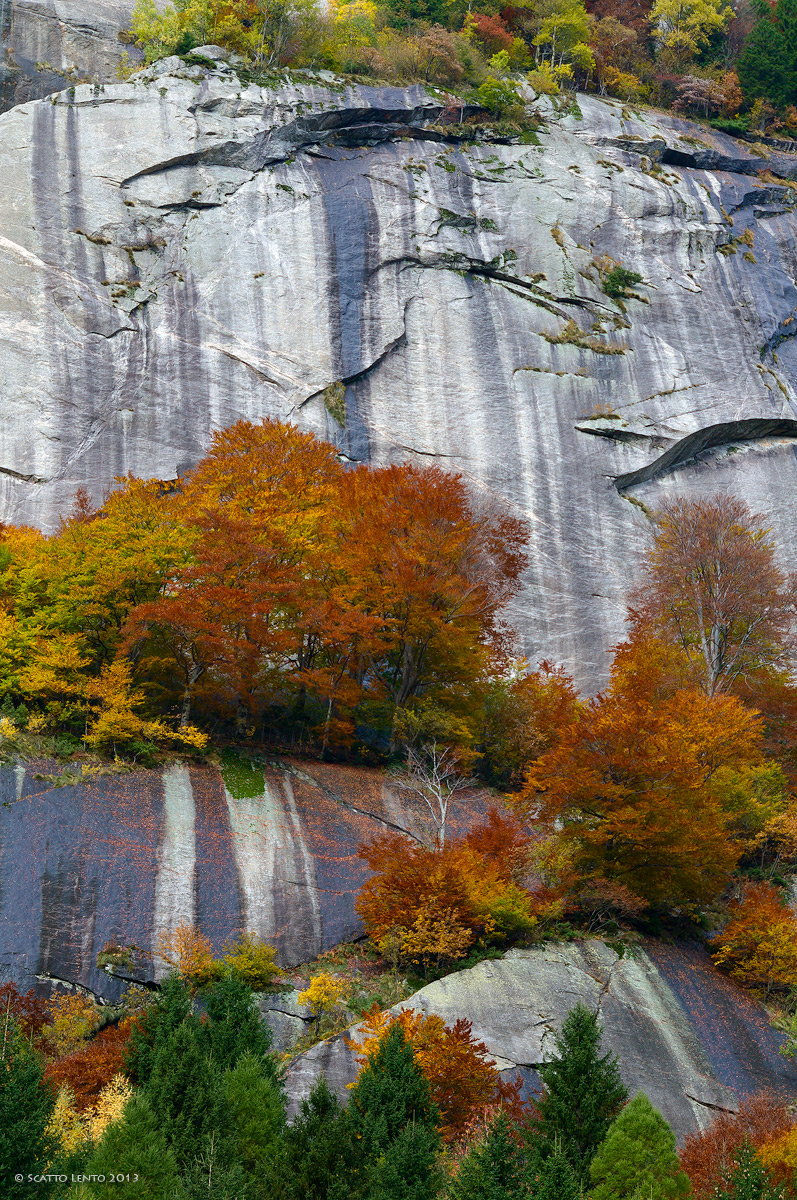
(74, 1020)
(252, 961)
(759, 944)
(109, 1107)
(325, 997)
(66, 1126)
(189, 953)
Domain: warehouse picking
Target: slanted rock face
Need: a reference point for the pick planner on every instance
(180, 251)
(684, 1034)
(46, 44)
(122, 859)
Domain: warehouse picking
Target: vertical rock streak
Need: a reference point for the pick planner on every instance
(175, 893)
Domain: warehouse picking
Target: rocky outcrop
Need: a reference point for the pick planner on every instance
(684, 1034)
(46, 45)
(181, 250)
(121, 859)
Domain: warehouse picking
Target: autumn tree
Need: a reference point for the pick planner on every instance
(433, 775)
(708, 1157)
(684, 27)
(632, 787)
(438, 567)
(524, 715)
(463, 1080)
(759, 943)
(437, 902)
(712, 586)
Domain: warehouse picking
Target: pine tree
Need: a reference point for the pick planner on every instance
(389, 1094)
(155, 1027)
(135, 1145)
(407, 1169)
(26, 1105)
(256, 1108)
(749, 1180)
(582, 1093)
(554, 1179)
(493, 1170)
(638, 1157)
(184, 1089)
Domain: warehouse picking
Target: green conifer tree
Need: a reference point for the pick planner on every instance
(319, 1158)
(554, 1179)
(749, 1180)
(26, 1105)
(392, 1115)
(135, 1145)
(493, 1170)
(407, 1168)
(235, 1026)
(256, 1107)
(767, 66)
(637, 1157)
(155, 1026)
(390, 1093)
(184, 1089)
(583, 1093)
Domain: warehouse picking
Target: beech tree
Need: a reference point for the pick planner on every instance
(758, 946)
(634, 789)
(464, 1082)
(708, 1157)
(711, 585)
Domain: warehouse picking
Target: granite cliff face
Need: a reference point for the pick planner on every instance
(125, 858)
(46, 44)
(181, 251)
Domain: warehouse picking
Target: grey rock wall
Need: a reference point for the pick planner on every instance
(124, 859)
(47, 44)
(683, 1034)
(180, 251)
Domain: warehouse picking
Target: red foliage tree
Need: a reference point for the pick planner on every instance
(708, 1157)
(493, 33)
(90, 1068)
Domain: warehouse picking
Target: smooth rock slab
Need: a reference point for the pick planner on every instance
(688, 1068)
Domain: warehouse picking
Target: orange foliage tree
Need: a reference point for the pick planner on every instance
(270, 585)
(708, 1157)
(463, 1078)
(712, 585)
(88, 1070)
(437, 903)
(758, 946)
(524, 715)
(631, 785)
